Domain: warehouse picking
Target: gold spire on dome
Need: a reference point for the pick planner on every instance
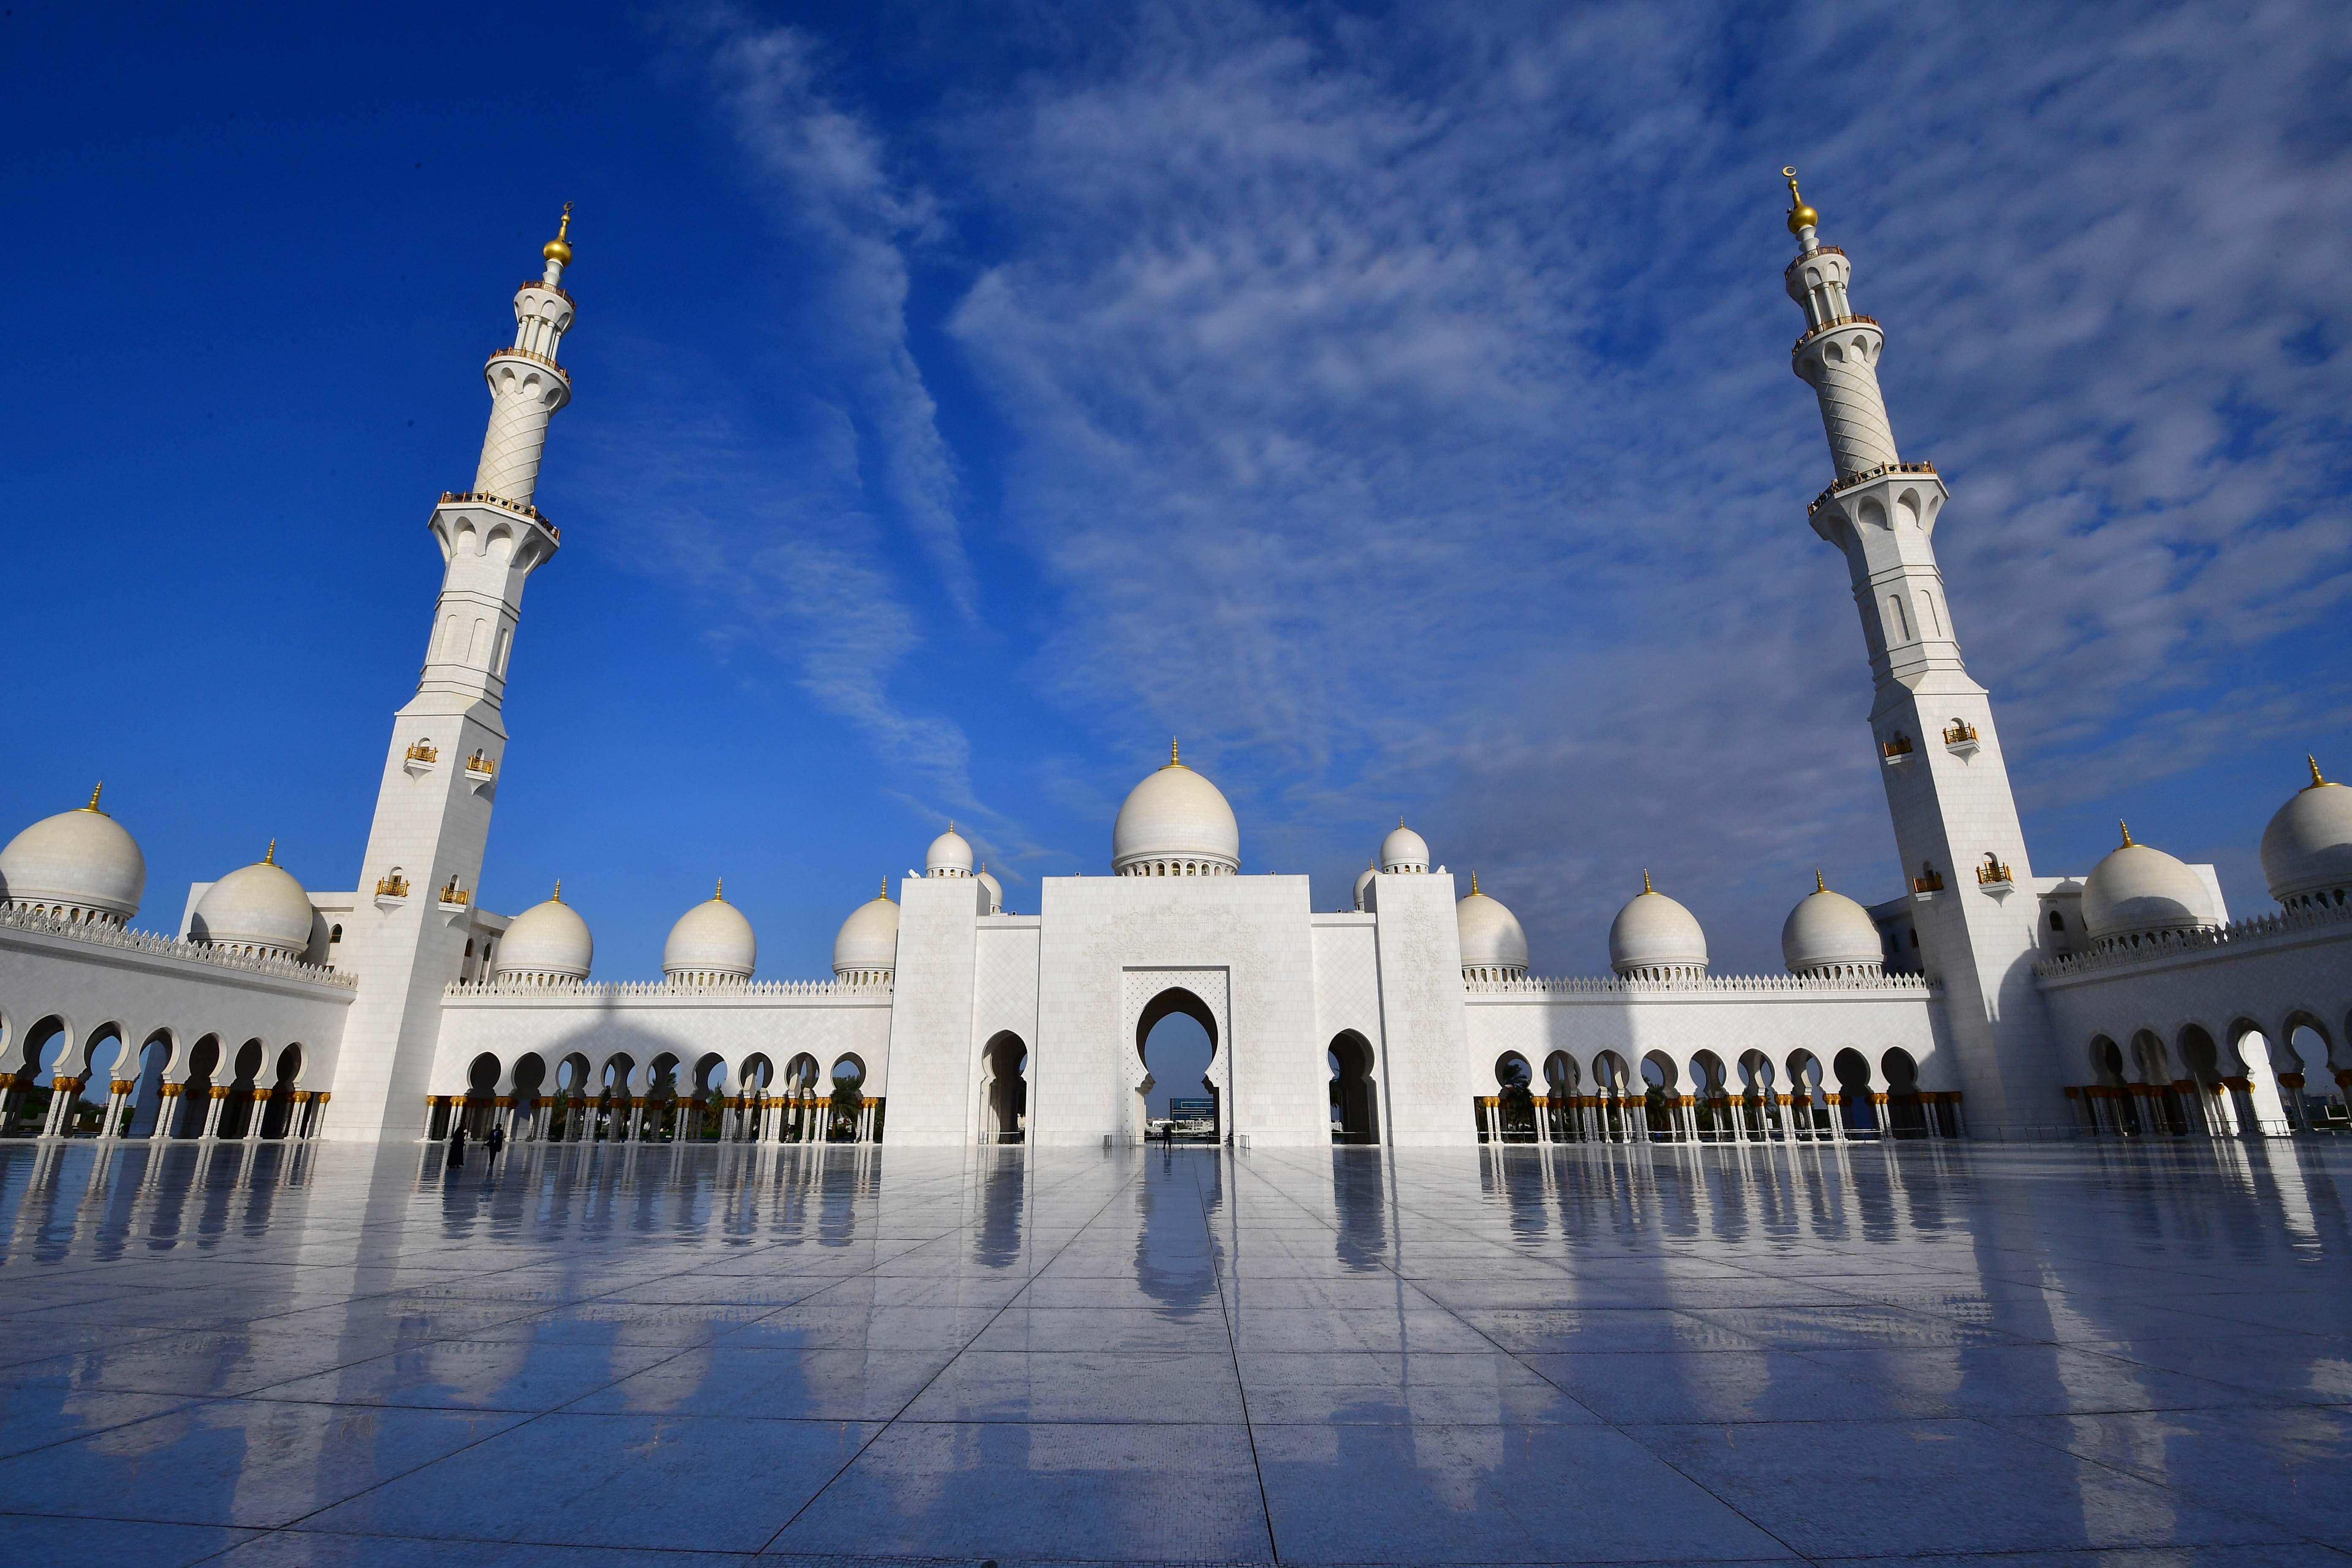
(718, 894)
(2315, 780)
(1645, 882)
(1801, 217)
(557, 896)
(1819, 886)
(2126, 828)
(1474, 884)
(559, 249)
(269, 855)
(100, 785)
(884, 895)
(1174, 759)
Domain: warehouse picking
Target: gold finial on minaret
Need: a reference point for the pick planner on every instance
(2315, 780)
(2126, 828)
(1645, 882)
(1819, 886)
(269, 855)
(1801, 217)
(559, 249)
(101, 784)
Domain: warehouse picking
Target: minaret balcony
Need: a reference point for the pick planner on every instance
(519, 509)
(422, 759)
(456, 903)
(512, 351)
(1960, 740)
(1831, 325)
(1993, 876)
(1927, 884)
(1896, 751)
(1848, 481)
(481, 771)
(392, 892)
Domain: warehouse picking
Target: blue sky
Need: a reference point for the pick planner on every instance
(1390, 401)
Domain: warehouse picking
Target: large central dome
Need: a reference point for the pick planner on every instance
(1175, 823)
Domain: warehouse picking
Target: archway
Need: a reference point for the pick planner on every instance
(196, 1090)
(2320, 1106)
(239, 1115)
(1180, 1029)
(529, 1078)
(1855, 1095)
(481, 1095)
(700, 1121)
(1758, 1105)
(846, 1111)
(2156, 1082)
(1614, 1081)
(147, 1100)
(1712, 1114)
(800, 1095)
(758, 1073)
(1661, 1097)
(1560, 1096)
(1515, 1101)
(278, 1111)
(1355, 1102)
(1005, 1089)
(1807, 1113)
(1907, 1116)
(28, 1105)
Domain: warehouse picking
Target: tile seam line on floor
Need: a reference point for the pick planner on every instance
(1126, 1181)
(1737, 1512)
(528, 1420)
(1233, 1349)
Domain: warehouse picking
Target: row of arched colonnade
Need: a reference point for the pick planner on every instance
(2254, 1080)
(667, 1098)
(58, 1079)
(1705, 1099)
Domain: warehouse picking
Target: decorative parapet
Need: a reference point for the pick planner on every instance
(2157, 946)
(483, 498)
(1742, 984)
(657, 990)
(1831, 325)
(1848, 481)
(128, 940)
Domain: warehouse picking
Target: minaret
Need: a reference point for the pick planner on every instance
(441, 769)
(1965, 864)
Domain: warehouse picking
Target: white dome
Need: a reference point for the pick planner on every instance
(1175, 823)
(2137, 890)
(547, 941)
(1827, 932)
(949, 856)
(77, 865)
(2307, 850)
(1654, 937)
(1363, 880)
(258, 909)
(995, 892)
(1493, 945)
(710, 942)
(1403, 850)
(869, 941)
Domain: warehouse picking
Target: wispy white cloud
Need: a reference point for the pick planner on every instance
(1400, 406)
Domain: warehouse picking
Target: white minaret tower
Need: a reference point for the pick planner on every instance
(1965, 862)
(441, 769)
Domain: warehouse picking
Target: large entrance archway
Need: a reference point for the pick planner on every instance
(1157, 1094)
(1355, 1102)
(1003, 1088)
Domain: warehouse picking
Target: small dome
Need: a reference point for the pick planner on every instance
(1364, 880)
(1654, 937)
(949, 856)
(1493, 945)
(2137, 890)
(867, 947)
(79, 865)
(2307, 850)
(547, 941)
(710, 942)
(1175, 823)
(995, 891)
(1828, 932)
(256, 909)
(1403, 850)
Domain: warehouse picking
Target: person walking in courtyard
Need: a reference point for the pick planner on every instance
(496, 1142)
(456, 1146)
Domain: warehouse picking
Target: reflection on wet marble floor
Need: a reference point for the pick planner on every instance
(273, 1354)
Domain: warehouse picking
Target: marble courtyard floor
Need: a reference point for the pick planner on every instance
(2068, 1353)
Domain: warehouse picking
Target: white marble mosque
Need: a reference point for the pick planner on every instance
(1984, 999)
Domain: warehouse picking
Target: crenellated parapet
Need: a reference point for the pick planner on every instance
(569, 992)
(2254, 932)
(123, 939)
(1717, 984)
